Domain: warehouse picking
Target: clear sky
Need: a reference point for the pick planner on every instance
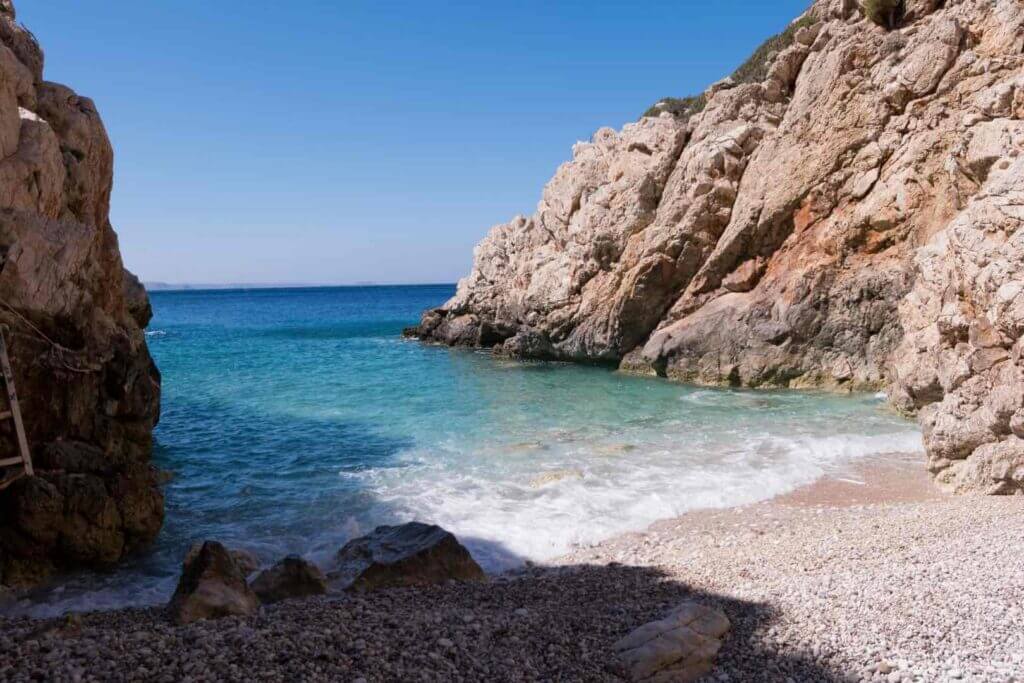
(339, 141)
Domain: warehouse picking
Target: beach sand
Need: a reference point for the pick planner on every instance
(868, 575)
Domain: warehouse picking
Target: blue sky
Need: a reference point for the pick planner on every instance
(333, 141)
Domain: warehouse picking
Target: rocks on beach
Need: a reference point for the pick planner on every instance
(213, 582)
(412, 554)
(246, 562)
(816, 594)
(212, 586)
(292, 577)
(677, 649)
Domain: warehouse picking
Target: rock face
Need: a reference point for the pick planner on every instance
(211, 586)
(90, 394)
(292, 577)
(412, 554)
(841, 215)
(246, 562)
(680, 648)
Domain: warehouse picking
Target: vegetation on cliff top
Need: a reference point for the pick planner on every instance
(753, 70)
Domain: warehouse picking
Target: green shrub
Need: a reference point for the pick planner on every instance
(753, 70)
(680, 107)
(885, 13)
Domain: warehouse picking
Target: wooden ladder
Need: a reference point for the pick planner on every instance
(13, 469)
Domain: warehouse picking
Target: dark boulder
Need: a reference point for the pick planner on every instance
(211, 586)
(292, 577)
(412, 554)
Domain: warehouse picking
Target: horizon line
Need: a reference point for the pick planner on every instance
(194, 286)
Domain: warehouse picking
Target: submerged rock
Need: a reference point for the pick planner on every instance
(554, 476)
(211, 586)
(89, 391)
(292, 577)
(844, 213)
(412, 554)
(680, 648)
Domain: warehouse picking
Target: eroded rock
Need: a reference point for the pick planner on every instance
(680, 648)
(211, 587)
(292, 577)
(844, 223)
(412, 554)
(246, 562)
(89, 391)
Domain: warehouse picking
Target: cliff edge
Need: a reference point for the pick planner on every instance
(89, 391)
(843, 212)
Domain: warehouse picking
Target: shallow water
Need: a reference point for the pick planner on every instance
(296, 419)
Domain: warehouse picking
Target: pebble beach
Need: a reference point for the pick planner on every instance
(871, 577)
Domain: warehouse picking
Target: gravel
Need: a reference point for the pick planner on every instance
(918, 590)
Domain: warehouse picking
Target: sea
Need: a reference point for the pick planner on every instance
(296, 419)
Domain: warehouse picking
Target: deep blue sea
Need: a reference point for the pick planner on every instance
(295, 419)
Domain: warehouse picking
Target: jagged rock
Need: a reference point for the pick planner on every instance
(292, 577)
(845, 223)
(211, 587)
(680, 648)
(961, 362)
(89, 392)
(137, 300)
(412, 554)
(246, 562)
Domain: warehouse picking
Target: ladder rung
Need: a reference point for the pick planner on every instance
(11, 461)
(6, 415)
(4, 483)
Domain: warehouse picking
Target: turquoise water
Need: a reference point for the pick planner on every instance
(296, 419)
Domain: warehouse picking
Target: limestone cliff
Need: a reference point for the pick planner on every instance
(843, 212)
(89, 391)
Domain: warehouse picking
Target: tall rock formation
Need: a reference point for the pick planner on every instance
(90, 393)
(843, 212)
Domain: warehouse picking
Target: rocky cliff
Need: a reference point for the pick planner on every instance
(89, 391)
(844, 212)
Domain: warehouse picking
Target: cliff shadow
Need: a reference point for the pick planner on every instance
(581, 611)
(541, 624)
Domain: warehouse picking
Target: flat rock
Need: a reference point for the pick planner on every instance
(679, 648)
(413, 554)
(211, 586)
(292, 577)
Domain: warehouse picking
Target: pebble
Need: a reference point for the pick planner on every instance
(919, 591)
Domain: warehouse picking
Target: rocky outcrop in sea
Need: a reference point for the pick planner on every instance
(842, 212)
(88, 389)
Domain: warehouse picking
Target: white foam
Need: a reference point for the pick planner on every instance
(504, 519)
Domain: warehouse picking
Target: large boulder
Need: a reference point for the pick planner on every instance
(211, 587)
(89, 391)
(86, 511)
(412, 554)
(246, 562)
(680, 648)
(292, 577)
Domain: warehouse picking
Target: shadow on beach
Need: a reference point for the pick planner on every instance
(555, 623)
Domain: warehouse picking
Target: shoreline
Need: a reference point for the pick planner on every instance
(854, 577)
(883, 479)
